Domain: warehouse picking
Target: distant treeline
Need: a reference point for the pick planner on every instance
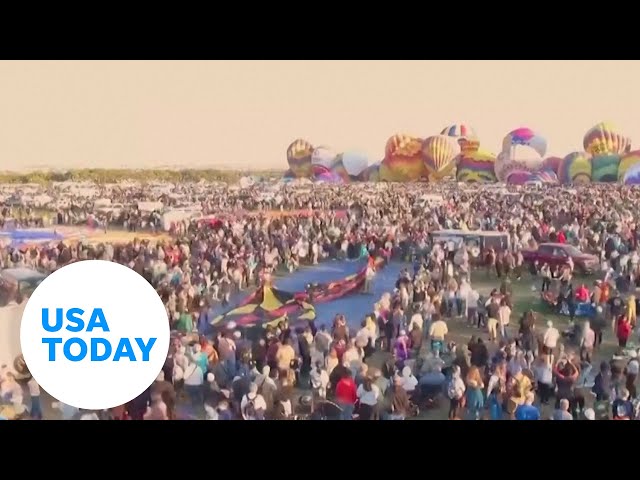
(99, 175)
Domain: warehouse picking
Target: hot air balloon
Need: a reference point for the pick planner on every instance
(575, 168)
(520, 177)
(525, 136)
(546, 176)
(475, 165)
(459, 130)
(439, 154)
(323, 156)
(299, 157)
(338, 168)
(603, 139)
(551, 164)
(371, 173)
(323, 174)
(522, 158)
(627, 161)
(632, 175)
(403, 160)
(604, 168)
(354, 163)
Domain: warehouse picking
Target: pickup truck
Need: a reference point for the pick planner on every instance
(559, 254)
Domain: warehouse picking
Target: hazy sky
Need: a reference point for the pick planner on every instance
(245, 113)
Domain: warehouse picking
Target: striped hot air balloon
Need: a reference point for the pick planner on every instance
(474, 165)
(604, 139)
(299, 156)
(459, 130)
(575, 168)
(632, 175)
(403, 160)
(627, 161)
(439, 155)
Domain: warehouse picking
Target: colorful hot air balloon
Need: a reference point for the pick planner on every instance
(439, 153)
(575, 168)
(475, 165)
(551, 164)
(520, 177)
(323, 156)
(604, 139)
(403, 160)
(627, 161)
(604, 168)
(299, 157)
(354, 163)
(338, 169)
(525, 136)
(517, 158)
(546, 176)
(632, 175)
(323, 174)
(459, 130)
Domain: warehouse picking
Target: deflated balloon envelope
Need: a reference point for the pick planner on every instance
(299, 158)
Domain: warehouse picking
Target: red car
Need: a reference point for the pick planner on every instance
(559, 253)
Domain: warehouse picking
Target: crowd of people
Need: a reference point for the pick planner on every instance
(405, 356)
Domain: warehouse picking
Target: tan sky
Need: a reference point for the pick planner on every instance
(245, 113)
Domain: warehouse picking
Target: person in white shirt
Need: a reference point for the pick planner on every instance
(253, 405)
(550, 338)
(319, 381)
(409, 381)
(368, 394)
(416, 319)
(504, 314)
(193, 383)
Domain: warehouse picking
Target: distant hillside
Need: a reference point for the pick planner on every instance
(142, 175)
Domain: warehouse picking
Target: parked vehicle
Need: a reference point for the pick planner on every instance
(17, 284)
(476, 241)
(558, 254)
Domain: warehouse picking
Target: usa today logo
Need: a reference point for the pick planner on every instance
(94, 334)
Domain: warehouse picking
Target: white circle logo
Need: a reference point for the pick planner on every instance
(95, 334)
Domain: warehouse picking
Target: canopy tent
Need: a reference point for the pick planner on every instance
(267, 306)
